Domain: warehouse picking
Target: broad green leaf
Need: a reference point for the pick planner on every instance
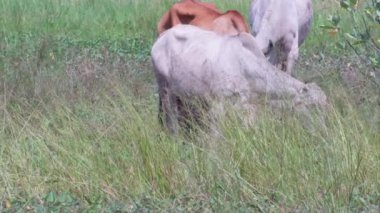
(374, 60)
(335, 19)
(50, 197)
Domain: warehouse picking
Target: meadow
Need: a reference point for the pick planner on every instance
(79, 128)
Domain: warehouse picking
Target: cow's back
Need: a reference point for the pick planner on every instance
(199, 62)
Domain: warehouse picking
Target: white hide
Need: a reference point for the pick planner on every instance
(283, 23)
(191, 63)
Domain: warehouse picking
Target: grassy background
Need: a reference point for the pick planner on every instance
(79, 129)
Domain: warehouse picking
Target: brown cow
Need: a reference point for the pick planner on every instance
(203, 15)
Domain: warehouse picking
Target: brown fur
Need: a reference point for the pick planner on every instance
(203, 15)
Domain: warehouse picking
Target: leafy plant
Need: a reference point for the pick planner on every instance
(364, 33)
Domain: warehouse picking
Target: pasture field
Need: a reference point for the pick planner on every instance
(79, 128)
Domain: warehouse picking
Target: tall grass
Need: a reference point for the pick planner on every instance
(78, 115)
(115, 149)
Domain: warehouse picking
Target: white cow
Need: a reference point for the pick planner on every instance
(283, 24)
(193, 65)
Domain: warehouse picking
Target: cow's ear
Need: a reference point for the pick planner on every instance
(249, 42)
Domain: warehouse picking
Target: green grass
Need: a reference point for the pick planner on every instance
(79, 128)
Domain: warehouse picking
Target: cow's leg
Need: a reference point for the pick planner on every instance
(191, 114)
(185, 116)
(273, 55)
(166, 114)
(291, 42)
